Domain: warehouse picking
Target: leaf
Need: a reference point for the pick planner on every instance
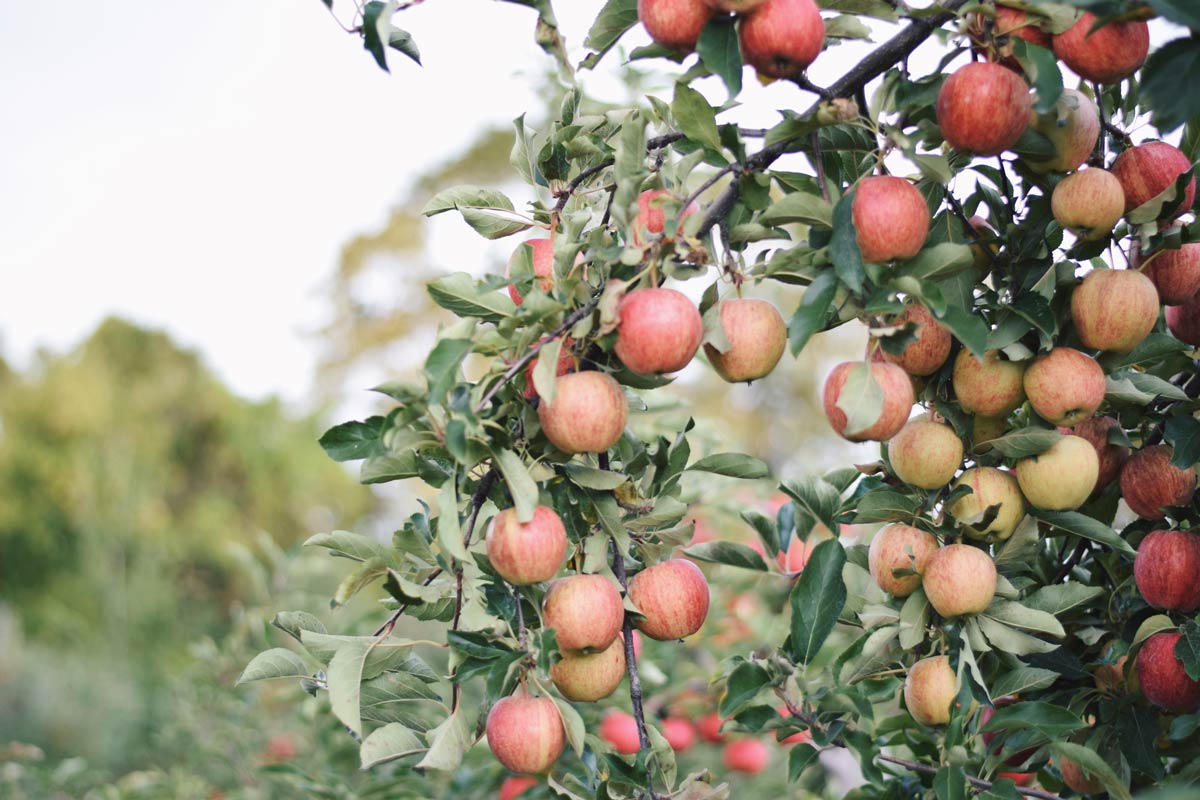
(861, 399)
(816, 497)
(449, 529)
(950, 783)
(1009, 640)
(884, 505)
(843, 247)
(361, 577)
(344, 679)
(617, 17)
(802, 207)
(345, 544)
(1041, 67)
(939, 261)
(1153, 348)
(1053, 721)
(377, 28)
(801, 757)
(813, 310)
(968, 328)
(293, 622)
(441, 367)
(1150, 626)
(459, 294)
(278, 662)
(489, 212)
(591, 478)
(742, 686)
(1137, 729)
(1062, 597)
(1016, 615)
(721, 53)
(914, 617)
(1023, 680)
(351, 441)
(1025, 442)
(731, 553)
(448, 743)
(1093, 763)
(817, 600)
(572, 724)
(545, 372)
(403, 42)
(1183, 434)
(520, 484)
(389, 743)
(1160, 79)
(733, 465)
(1187, 649)
(1085, 526)
(696, 118)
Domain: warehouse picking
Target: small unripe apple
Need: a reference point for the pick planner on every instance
(983, 108)
(585, 612)
(1114, 309)
(781, 38)
(527, 553)
(757, 338)
(891, 218)
(900, 547)
(651, 219)
(1088, 203)
(709, 727)
(1148, 170)
(1061, 478)
(929, 690)
(1149, 483)
(541, 253)
(1065, 386)
(931, 347)
(925, 454)
(525, 733)
(1175, 273)
(1073, 127)
(746, 755)
(620, 730)
(898, 400)
(1112, 456)
(673, 596)
(990, 487)
(679, 733)
(516, 785)
(660, 331)
(800, 550)
(1164, 681)
(1107, 55)
(675, 24)
(1078, 779)
(588, 413)
(959, 579)
(992, 387)
(1167, 570)
(588, 677)
(1184, 321)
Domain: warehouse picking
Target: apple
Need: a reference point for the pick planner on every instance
(929, 690)
(1164, 681)
(931, 347)
(1088, 203)
(800, 550)
(567, 361)
(525, 733)
(709, 728)
(530, 552)
(746, 755)
(781, 38)
(1073, 127)
(757, 338)
(991, 487)
(651, 219)
(989, 388)
(1010, 22)
(898, 400)
(1065, 386)
(1184, 321)
(1167, 570)
(588, 413)
(1110, 678)
(1063, 477)
(985, 429)
(925, 454)
(1019, 778)
(891, 218)
(983, 261)
(659, 331)
(620, 730)
(672, 596)
(1148, 170)
(959, 579)
(542, 256)
(1149, 483)
(1079, 779)
(900, 547)
(1114, 309)
(588, 677)
(675, 24)
(280, 748)
(734, 6)
(1112, 457)
(679, 733)
(516, 785)
(1108, 55)
(585, 612)
(990, 737)
(983, 108)
(1175, 273)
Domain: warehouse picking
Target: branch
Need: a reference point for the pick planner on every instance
(978, 783)
(564, 195)
(631, 670)
(386, 628)
(477, 501)
(971, 230)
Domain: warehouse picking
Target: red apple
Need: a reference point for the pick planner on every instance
(1148, 170)
(1063, 477)
(280, 748)
(588, 677)
(1175, 273)
(1112, 457)
(1065, 386)
(800, 550)
(1019, 778)
(620, 730)
(530, 552)
(891, 218)
(897, 400)
(679, 733)
(541, 254)
(959, 579)
(673, 596)
(781, 38)
(514, 786)
(651, 220)
(1184, 321)
(990, 487)
(1015, 22)
(900, 547)
(1073, 127)
(925, 454)
(757, 338)
(585, 612)
(1114, 309)
(930, 349)
(1108, 55)
(1167, 570)
(1164, 681)
(709, 727)
(746, 755)
(567, 361)
(983, 108)
(525, 733)
(588, 413)
(1078, 779)
(929, 690)
(1088, 203)
(1149, 483)
(659, 331)
(989, 388)
(675, 24)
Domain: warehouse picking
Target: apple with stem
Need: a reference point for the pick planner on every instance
(1149, 482)
(588, 413)
(672, 596)
(659, 331)
(899, 547)
(889, 379)
(983, 108)
(1165, 682)
(930, 688)
(585, 612)
(925, 454)
(959, 579)
(780, 38)
(1065, 386)
(674, 24)
(588, 677)
(931, 347)
(891, 218)
(757, 338)
(1073, 128)
(1063, 477)
(1106, 55)
(525, 553)
(989, 487)
(988, 387)
(525, 733)
(1148, 170)
(1088, 203)
(1167, 570)
(1114, 309)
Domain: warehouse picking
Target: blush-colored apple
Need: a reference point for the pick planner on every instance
(1065, 386)
(757, 338)
(1167, 570)
(931, 347)
(525, 733)
(891, 218)
(898, 400)
(990, 487)
(1073, 127)
(585, 612)
(588, 413)
(1107, 55)
(991, 387)
(925, 454)
(1149, 483)
(1165, 682)
(983, 108)
(930, 689)
(900, 547)
(541, 255)
(959, 579)
(529, 552)
(781, 38)
(588, 677)
(672, 596)
(1112, 457)
(675, 24)
(1114, 309)
(659, 331)
(1148, 170)
(1088, 203)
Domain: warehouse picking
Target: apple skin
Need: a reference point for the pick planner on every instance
(1019, 778)
(1108, 55)
(543, 266)
(889, 551)
(898, 400)
(620, 730)
(525, 733)
(929, 690)
(673, 596)
(586, 678)
(800, 737)
(983, 108)
(1175, 273)
(1184, 321)
(514, 786)
(746, 755)
(991, 487)
(1079, 781)
(679, 733)
(1112, 457)
(588, 413)
(891, 218)
(800, 550)
(1088, 203)
(1167, 570)
(528, 553)
(675, 24)
(925, 454)
(1063, 477)
(1073, 127)
(781, 38)
(585, 612)
(959, 579)
(932, 346)
(660, 331)
(992, 387)
(709, 728)
(1015, 22)
(1164, 681)
(1114, 309)
(1065, 386)
(1148, 170)
(757, 338)
(1149, 483)
(651, 219)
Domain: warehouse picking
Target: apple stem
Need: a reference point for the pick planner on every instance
(477, 500)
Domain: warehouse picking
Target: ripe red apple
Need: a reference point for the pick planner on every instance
(983, 108)
(660, 331)
(1088, 203)
(746, 755)
(990, 737)
(525, 733)
(990, 487)
(930, 349)
(675, 24)
(516, 785)
(891, 218)
(1112, 457)
(1148, 170)
(925, 454)
(585, 612)
(1108, 55)
(959, 579)
(679, 733)
(541, 253)
(709, 727)
(1019, 778)
(992, 387)
(620, 730)
(526, 553)
(1149, 483)
(900, 547)
(1061, 478)
(1072, 126)
(929, 690)
(1164, 681)
(757, 338)
(1065, 386)
(651, 220)
(1015, 22)
(567, 361)
(1175, 273)
(897, 400)
(673, 596)
(1077, 778)
(1114, 309)
(1167, 570)
(800, 550)
(781, 38)
(1184, 321)
(588, 677)
(588, 413)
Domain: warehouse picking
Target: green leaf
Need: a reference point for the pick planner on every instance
(1091, 761)
(293, 622)
(968, 328)
(1150, 626)
(816, 497)
(817, 600)
(731, 553)
(1153, 348)
(885, 505)
(345, 544)
(617, 17)
(721, 53)
(520, 484)
(939, 261)
(843, 247)
(1010, 640)
(800, 758)
(545, 372)
(441, 367)
(1187, 649)
(448, 743)
(1062, 597)
(733, 465)
(591, 478)
(344, 679)
(1018, 616)
(1041, 67)
(742, 686)
(449, 530)
(403, 42)
(1025, 442)
(813, 310)
(914, 617)
(1023, 680)
(1085, 526)
(696, 118)
(1137, 729)
(861, 399)
(1183, 434)
(278, 662)
(802, 207)
(377, 28)
(489, 212)
(389, 743)
(1185, 12)
(1160, 80)
(351, 441)
(459, 294)
(1053, 721)
(358, 579)
(572, 724)
(950, 783)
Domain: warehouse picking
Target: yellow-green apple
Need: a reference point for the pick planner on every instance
(983, 108)
(929, 690)
(1148, 170)
(991, 387)
(781, 38)
(1175, 273)
(672, 596)
(925, 454)
(900, 547)
(1107, 55)
(757, 338)
(1183, 321)
(891, 218)
(585, 612)
(1167, 570)
(1112, 456)
(1073, 127)
(929, 350)
(525, 733)
(659, 331)
(985, 429)
(1114, 309)
(1088, 203)
(619, 729)
(1065, 386)
(959, 579)
(1079, 779)
(529, 552)
(1164, 681)
(898, 400)
(746, 755)
(990, 487)
(1063, 477)
(709, 727)
(541, 256)
(651, 219)
(679, 733)
(675, 24)
(1149, 483)
(516, 785)
(588, 677)
(800, 550)
(588, 413)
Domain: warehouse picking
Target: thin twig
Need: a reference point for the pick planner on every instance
(978, 783)
(386, 628)
(1070, 563)
(477, 500)
(564, 194)
(708, 184)
(631, 670)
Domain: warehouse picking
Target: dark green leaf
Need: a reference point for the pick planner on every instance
(843, 248)
(1091, 761)
(719, 50)
(817, 600)
(1185, 12)
(351, 441)
(1160, 81)
(695, 116)
(404, 42)
(1053, 721)
(885, 505)
(802, 207)
(816, 497)
(376, 30)
(1041, 67)
(1022, 680)
(611, 23)
(1085, 526)
(1137, 728)
(731, 553)
(389, 743)
(968, 328)
(800, 758)
(441, 367)
(592, 478)
(743, 685)
(1153, 348)
(459, 293)
(950, 783)
(520, 484)
(1187, 649)
(1183, 434)
(813, 310)
(733, 465)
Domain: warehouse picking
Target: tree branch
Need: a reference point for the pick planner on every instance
(477, 501)
(631, 670)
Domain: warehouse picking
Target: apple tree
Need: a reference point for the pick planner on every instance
(1013, 231)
